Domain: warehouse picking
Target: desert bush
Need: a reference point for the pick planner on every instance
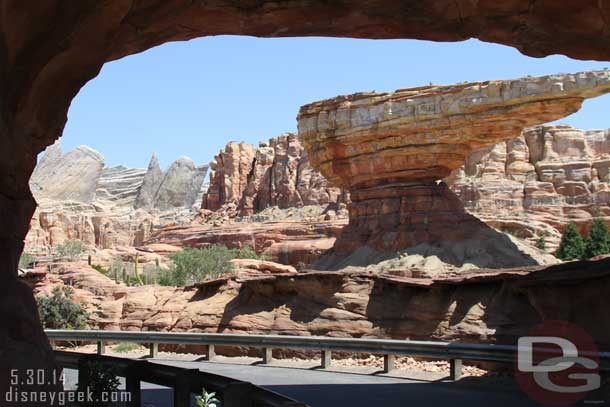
(572, 246)
(191, 265)
(59, 311)
(194, 265)
(123, 347)
(100, 269)
(248, 252)
(25, 260)
(70, 250)
(598, 240)
(541, 243)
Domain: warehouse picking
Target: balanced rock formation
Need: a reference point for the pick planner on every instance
(245, 180)
(54, 49)
(108, 207)
(391, 149)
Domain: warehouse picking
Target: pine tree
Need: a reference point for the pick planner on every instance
(541, 242)
(598, 241)
(572, 245)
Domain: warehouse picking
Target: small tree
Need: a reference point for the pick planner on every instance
(598, 241)
(71, 250)
(58, 311)
(572, 246)
(541, 242)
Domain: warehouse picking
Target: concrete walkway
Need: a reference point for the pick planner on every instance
(350, 387)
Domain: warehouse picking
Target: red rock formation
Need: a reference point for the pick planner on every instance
(534, 185)
(389, 150)
(245, 180)
(286, 242)
(480, 306)
(52, 49)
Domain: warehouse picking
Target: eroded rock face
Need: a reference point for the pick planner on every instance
(245, 180)
(390, 149)
(287, 241)
(108, 207)
(72, 176)
(480, 306)
(52, 50)
(536, 184)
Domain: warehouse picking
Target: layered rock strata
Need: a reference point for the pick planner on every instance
(288, 241)
(108, 207)
(534, 185)
(53, 50)
(245, 180)
(391, 149)
(482, 306)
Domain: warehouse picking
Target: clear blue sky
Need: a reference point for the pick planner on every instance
(191, 98)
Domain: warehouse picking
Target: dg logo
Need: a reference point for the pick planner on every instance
(557, 364)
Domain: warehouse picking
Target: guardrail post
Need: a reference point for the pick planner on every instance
(210, 353)
(326, 359)
(388, 362)
(267, 355)
(237, 395)
(153, 350)
(455, 369)
(53, 344)
(101, 347)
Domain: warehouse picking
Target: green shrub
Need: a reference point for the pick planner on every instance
(572, 246)
(194, 265)
(598, 241)
(99, 268)
(58, 311)
(25, 260)
(123, 347)
(207, 399)
(70, 250)
(248, 252)
(541, 243)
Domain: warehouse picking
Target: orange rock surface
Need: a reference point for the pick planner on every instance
(390, 149)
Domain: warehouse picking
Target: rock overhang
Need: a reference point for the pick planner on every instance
(426, 132)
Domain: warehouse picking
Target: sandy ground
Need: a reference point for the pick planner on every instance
(365, 364)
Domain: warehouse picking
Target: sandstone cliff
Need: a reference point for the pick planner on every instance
(534, 185)
(478, 306)
(391, 149)
(245, 180)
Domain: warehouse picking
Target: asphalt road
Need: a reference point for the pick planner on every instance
(332, 389)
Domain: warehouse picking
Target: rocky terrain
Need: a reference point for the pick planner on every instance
(389, 150)
(54, 49)
(524, 187)
(475, 306)
(108, 207)
(245, 180)
(534, 185)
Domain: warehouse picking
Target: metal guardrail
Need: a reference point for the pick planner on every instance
(232, 392)
(452, 351)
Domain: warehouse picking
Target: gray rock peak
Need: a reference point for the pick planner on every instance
(72, 176)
